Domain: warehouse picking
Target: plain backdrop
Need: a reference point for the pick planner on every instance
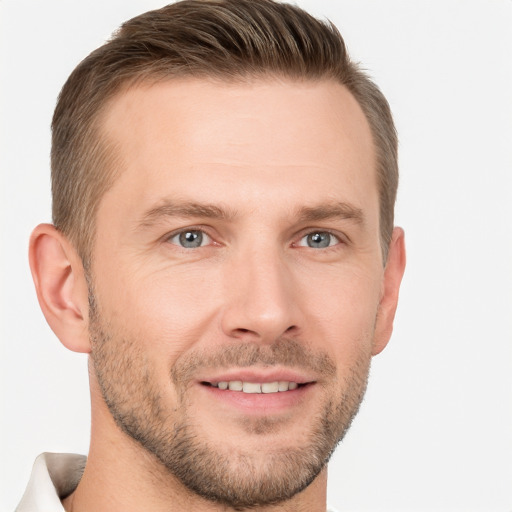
(435, 430)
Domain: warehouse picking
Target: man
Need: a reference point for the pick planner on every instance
(223, 248)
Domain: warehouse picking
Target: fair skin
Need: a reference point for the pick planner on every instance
(275, 182)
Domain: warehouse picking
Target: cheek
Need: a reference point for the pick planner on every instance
(342, 312)
(165, 311)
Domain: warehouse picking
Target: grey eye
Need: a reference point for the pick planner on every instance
(319, 240)
(190, 239)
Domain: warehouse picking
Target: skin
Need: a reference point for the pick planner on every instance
(278, 158)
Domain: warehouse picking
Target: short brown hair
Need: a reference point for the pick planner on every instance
(224, 39)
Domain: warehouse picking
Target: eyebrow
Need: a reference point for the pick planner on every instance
(185, 209)
(329, 211)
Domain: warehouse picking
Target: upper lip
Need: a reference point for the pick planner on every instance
(259, 375)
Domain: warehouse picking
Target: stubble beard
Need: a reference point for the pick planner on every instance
(240, 480)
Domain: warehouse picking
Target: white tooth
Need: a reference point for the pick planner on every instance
(252, 387)
(270, 387)
(236, 385)
(223, 385)
(283, 385)
(293, 385)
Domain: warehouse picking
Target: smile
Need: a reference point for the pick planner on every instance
(256, 387)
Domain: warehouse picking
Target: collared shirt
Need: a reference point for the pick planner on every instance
(54, 476)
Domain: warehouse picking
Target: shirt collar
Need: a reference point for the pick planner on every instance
(54, 476)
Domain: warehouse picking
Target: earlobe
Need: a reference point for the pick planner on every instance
(61, 286)
(393, 273)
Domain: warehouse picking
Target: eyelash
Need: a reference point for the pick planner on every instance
(175, 235)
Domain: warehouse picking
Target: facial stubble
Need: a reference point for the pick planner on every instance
(238, 479)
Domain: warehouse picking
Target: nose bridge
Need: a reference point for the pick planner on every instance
(260, 294)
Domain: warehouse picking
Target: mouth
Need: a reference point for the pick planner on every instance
(255, 399)
(281, 386)
(258, 391)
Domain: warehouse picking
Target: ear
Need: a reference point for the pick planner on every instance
(61, 286)
(393, 273)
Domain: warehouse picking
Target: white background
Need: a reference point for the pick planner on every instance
(435, 431)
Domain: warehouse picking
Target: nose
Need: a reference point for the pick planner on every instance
(260, 298)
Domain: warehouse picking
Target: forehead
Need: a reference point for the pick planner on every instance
(207, 138)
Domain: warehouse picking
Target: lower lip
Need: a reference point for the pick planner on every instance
(260, 403)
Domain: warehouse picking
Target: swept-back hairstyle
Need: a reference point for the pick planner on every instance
(229, 40)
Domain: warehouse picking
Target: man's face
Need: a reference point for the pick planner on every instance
(238, 248)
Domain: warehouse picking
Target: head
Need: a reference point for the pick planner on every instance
(226, 40)
(224, 180)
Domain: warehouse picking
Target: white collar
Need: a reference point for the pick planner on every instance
(54, 476)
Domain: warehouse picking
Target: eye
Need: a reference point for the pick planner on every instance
(319, 240)
(190, 239)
